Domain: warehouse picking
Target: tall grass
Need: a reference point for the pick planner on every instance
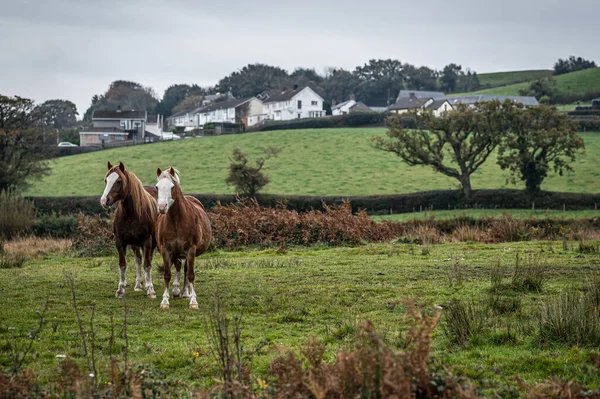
(17, 215)
(463, 320)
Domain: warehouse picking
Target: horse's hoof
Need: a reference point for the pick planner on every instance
(152, 295)
(164, 306)
(176, 293)
(193, 306)
(138, 289)
(119, 294)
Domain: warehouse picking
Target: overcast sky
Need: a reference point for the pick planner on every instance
(73, 49)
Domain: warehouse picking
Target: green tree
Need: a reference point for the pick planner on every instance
(339, 85)
(249, 180)
(56, 114)
(380, 81)
(189, 103)
(253, 79)
(21, 148)
(422, 78)
(540, 139)
(449, 77)
(456, 145)
(540, 88)
(174, 95)
(572, 64)
(124, 94)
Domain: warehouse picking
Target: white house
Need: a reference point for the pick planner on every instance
(186, 119)
(293, 104)
(248, 111)
(405, 104)
(348, 107)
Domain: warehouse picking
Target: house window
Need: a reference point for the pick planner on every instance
(299, 104)
(314, 103)
(299, 115)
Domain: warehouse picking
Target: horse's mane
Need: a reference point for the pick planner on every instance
(167, 173)
(144, 203)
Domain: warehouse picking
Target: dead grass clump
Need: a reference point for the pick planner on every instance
(425, 234)
(16, 215)
(508, 229)
(11, 260)
(35, 247)
(468, 233)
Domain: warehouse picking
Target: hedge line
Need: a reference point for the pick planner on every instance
(350, 120)
(376, 204)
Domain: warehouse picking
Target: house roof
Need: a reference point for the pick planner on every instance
(525, 100)
(360, 107)
(436, 104)
(340, 105)
(286, 95)
(105, 114)
(224, 104)
(436, 95)
(409, 103)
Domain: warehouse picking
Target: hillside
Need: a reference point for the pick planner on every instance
(497, 79)
(578, 82)
(320, 162)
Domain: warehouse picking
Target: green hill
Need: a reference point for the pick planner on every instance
(497, 79)
(319, 162)
(579, 82)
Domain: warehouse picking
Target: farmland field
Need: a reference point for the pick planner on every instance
(318, 291)
(578, 82)
(497, 79)
(317, 162)
(481, 213)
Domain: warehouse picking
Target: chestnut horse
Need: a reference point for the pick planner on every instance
(134, 223)
(182, 232)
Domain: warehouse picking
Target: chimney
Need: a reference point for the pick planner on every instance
(295, 87)
(119, 108)
(412, 96)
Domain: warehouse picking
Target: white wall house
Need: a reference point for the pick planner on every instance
(293, 104)
(248, 111)
(186, 119)
(405, 104)
(115, 126)
(348, 107)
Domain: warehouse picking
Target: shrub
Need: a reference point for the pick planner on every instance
(16, 215)
(463, 321)
(94, 236)
(9, 260)
(528, 274)
(570, 318)
(54, 225)
(500, 304)
(350, 120)
(508, 229)
(467, 233)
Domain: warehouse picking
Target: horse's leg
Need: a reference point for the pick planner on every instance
(138, 270)
(148, 251)
(122, 270)
(191, 257)
(176, 290)
(167, 277)
(186, 292)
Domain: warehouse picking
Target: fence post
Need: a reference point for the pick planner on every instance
(420, 208)
(533, 205)
(564, 207)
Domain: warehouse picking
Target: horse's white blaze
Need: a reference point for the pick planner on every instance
(110, 181)
(165, 199)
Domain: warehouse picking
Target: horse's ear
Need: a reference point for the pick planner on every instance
(121, 166)
(109, 165)
(158, 172)
(172, 172)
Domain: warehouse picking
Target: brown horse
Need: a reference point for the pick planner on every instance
(182, 232)
(134, 223)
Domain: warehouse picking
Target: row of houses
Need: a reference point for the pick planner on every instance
(281, 105)
(114, 127)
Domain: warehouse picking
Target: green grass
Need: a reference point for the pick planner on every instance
(480, 213)
(508, 78)
(315, 161)
(285, 298)
(579, 82)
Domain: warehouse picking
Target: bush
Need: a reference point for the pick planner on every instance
(94, 236)
(351, 120)
(9, 260)
(55, 226)
(17, 215)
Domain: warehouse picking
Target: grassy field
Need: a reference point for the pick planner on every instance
(481, 213)
(497, 79)
(578, 82)
(317, 291)
(318, 162)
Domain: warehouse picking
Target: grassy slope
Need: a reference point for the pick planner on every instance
(576, 82)
(284, 298)
(320, 162)
(508, 78)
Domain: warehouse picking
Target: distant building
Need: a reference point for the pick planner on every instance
(293, 103)
(405, 104)
(436, 95)
(528, 101)
(247, 111)
(348, 107)
(112, 127)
